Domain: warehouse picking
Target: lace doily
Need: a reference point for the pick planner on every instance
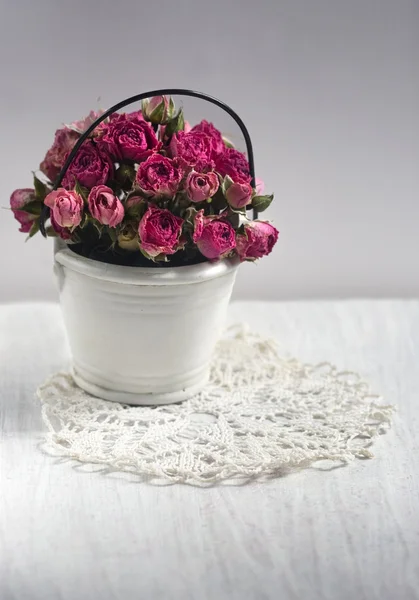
(260, 415)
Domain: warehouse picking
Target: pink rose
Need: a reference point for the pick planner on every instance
(54, 159)
(62, 232)
(66, 207)
(193, 148)
(214, 136)
(260, 186)
(234, 164)
(239, 194)
(258, 240)
(18, 200)
(129, 138)
(200, 186)
(84, 124)
(158, 175)
(91, 166)
(217, 238)
(134, 115)
(104, 206)
(159, 231)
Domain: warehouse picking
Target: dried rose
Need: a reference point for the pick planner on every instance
(159, 231)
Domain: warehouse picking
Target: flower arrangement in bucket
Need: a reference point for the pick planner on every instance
(151, 221)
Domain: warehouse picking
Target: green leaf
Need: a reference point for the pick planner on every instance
(32, 208)
(41, 189)
(261, 203)
(34, 229)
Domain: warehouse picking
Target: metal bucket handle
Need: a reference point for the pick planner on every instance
(138, 97)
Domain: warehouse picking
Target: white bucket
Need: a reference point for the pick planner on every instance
(142, 336)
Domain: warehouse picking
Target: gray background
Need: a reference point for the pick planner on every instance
(328, 88)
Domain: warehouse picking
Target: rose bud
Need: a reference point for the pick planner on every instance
(258, 240)
(239, 195)
(66, 207)
(104, 206)
(18, 200)
(201, 186)
(125, 176)
(128, 239)
(135, 206)
(160, 232)
(216, 239)
(158, 110)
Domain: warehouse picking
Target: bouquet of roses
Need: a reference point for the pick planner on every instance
(147, 187)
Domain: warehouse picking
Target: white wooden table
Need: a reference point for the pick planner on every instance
(351, 533)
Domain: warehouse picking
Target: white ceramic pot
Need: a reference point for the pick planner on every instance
(138, 335)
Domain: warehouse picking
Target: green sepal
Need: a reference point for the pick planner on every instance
(233, 218)
(82, 191)
(218, 202)
(226, 183)
(158, 258)
(227, 143)
(156, 116)
(238, 211)
(84, 220)
(161, 258)
(261, 203)
(172, 107)
(98, 226)
(175, 124)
